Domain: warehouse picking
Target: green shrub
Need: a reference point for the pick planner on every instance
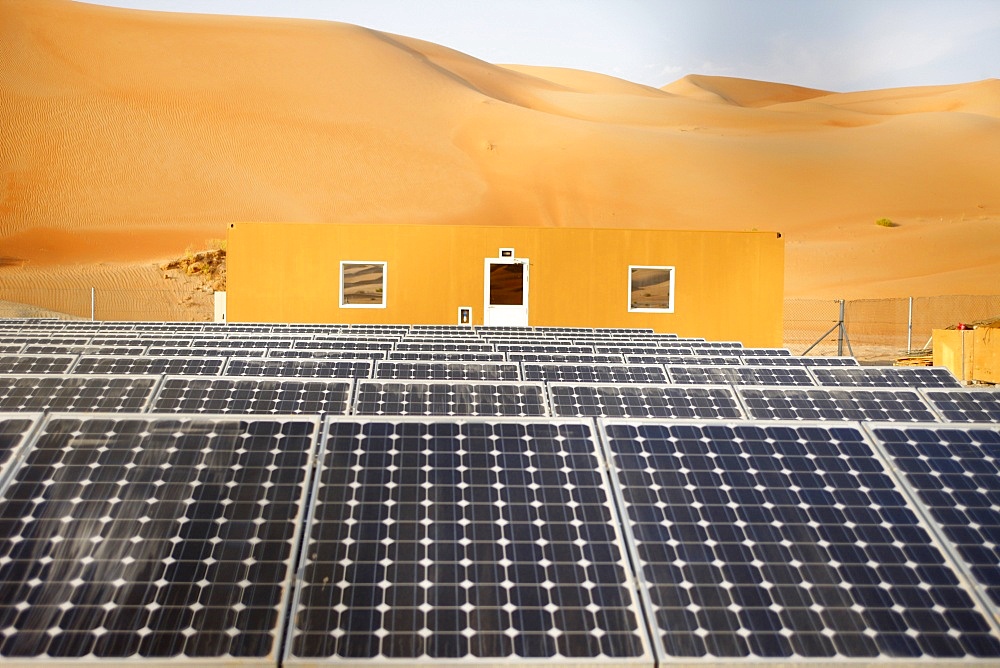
(885, 222)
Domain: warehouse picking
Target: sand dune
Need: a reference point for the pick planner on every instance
(127, 136)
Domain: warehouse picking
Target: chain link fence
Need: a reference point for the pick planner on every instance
(104, 304)
(878, 329)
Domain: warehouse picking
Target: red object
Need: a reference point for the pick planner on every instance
(963, 326)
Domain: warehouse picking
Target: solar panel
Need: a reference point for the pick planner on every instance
(870, 376)
(127, 394)
(954, 471)
(431, 397)
(636, 400)
(542, 348)
(426, 356)
(36, 363)
(309, 353)
(728, 346)
(795, 360)
(299, 368)
(200, 366)
(153, 540)
(676, 351)
(787, 542)
(446, 346)
(50, 338)
(792, 403)
(464, 540)
(693, 360)
(157, 351)
(194, 394)
(239, 343)
(626, 349)
(11, 347)
(344, 344)
(965, 405)
(448, 370)
(739, 375)
(595, 373)
(122, 351)
(569, 358)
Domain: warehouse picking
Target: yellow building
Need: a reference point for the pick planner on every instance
(718, 285)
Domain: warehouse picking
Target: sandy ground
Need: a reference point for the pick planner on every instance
(127, 138)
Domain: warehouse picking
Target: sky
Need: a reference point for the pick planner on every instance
(838, 45)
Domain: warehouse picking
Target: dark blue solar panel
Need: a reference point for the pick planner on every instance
(789, 360)
(966, 405)
(129, 394)
(152, 538)
(681, 360)
(440, 356)
(299, 368)
(956, 473)
(785, 542)
(740, 375)
(885, 377)
(595, 373)
(310, 353)
(568, 358)
(791, 403)
(450, 398)
(173, 351)
(36, 363)
(199, 394)
(542, 348)
(448, 370)
(148, 365)
(14, 431)
(635, 400)
(478, 541)
(446, 346)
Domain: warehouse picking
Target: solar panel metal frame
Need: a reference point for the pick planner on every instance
(939, 529)
(971, 392)
(666, 388)
(358, 388)
(163, 386)
(287, 586)
(629, 370)
(741, 374)
(855, 394)
(893, 376)
(296, 363)
(943, 548)
(637, 609)
(154, 387)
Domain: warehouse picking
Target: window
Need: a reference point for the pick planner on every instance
(362, 284)
(651, 289)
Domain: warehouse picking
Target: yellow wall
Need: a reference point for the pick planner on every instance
(728, 285)
(973, 355)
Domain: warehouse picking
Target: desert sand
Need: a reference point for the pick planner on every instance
(128, 137)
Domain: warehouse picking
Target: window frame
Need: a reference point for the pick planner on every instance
(385, 282)
(673, 283)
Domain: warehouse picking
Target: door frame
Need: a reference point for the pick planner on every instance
(525, 283)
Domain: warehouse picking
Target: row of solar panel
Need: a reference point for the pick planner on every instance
(177, 538)
(199, 394)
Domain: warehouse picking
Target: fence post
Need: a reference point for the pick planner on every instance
(840, 332)
(909, 328)
(92, 300)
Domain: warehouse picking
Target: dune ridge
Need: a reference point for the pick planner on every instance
(128, 136)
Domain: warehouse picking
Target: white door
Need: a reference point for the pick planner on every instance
(506, 298)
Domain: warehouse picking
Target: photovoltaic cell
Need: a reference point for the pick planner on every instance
(870, 376)
(129, 394)
(595, 373)
(478, 541)
(785, 542)
(201, 366)
(965, 405)
(194, 394)
(150, 539)
(956, 474)
(299, 368)
(790, 403)
(640, 401)
(739, 375)
(447, 370)
(449, 398)
(36, 363)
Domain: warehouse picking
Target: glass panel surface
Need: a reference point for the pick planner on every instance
(506, 285)
(650, 288)
(363, 283)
